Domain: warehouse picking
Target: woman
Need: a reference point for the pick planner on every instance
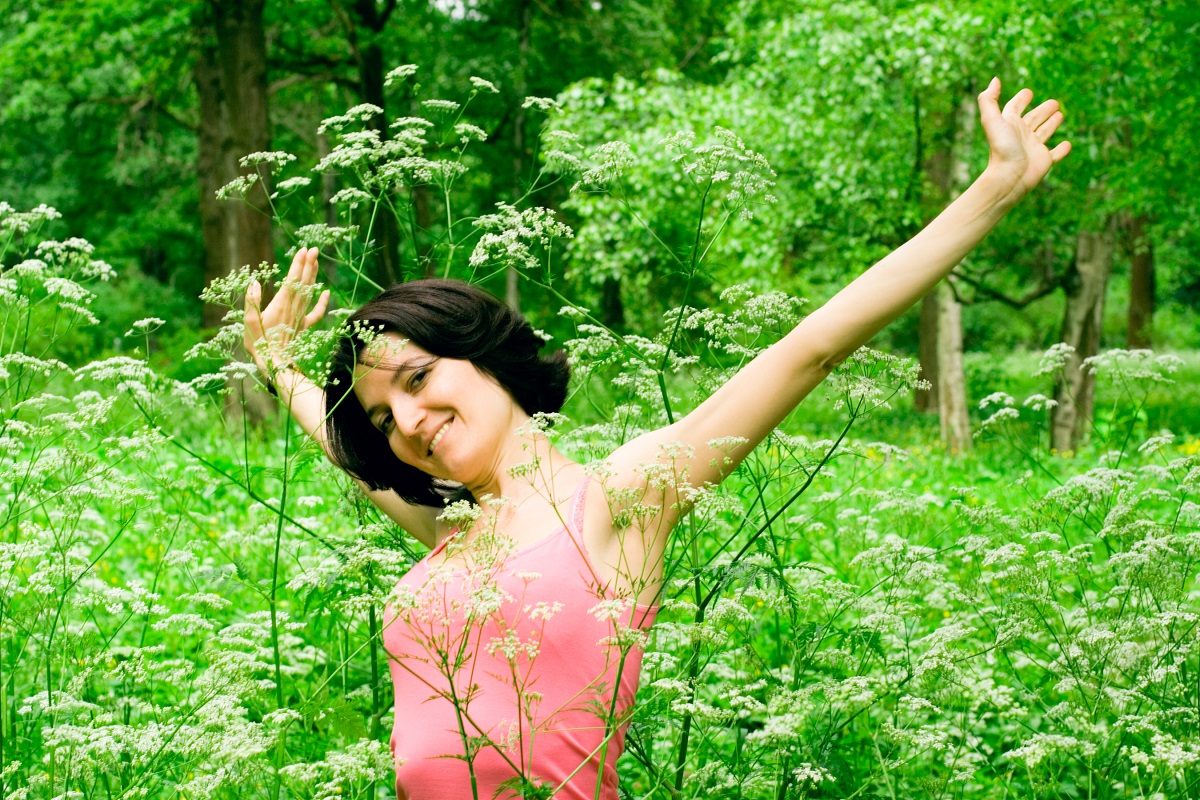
(513, 644)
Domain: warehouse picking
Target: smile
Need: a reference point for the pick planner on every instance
(437, 438)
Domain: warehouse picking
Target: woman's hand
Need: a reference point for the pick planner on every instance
(283, 318)
(1019, 158)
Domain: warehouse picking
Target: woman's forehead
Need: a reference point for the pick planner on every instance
(388, 352)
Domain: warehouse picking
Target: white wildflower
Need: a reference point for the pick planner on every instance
(275, 159)
(400, 73)
(481, 85)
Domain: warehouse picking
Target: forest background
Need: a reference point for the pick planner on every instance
(127, 118)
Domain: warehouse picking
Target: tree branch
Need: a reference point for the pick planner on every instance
(388, 8)
(296, 78)
(1047, 286)
(137, 105)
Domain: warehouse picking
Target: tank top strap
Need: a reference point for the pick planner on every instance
(577, 504)
(573, 526)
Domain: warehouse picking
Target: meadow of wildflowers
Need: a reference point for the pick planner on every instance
(193, 606)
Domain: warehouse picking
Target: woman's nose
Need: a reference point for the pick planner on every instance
(408, 416)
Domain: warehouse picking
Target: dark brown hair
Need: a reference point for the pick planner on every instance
(449, 319)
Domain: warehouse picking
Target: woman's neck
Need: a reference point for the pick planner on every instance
(527, 468)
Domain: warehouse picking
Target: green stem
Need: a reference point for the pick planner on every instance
(462, 732)
(278, 662)
(277, 510)
(693, 675)
(3, 697)
(373, 626)
(609, 723)
(779, 511)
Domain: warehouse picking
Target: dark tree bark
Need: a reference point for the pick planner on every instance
(940, 345)
(926, 400)
(422, 214)
(952, 383)
(231, 83)
(1081, 329)
(612, 308)
(368, 54)
(524, 19)
(212, 173)
(242, 58)
(328, 182)
(1139, 332)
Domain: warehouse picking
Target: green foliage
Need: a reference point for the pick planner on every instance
(190, 606)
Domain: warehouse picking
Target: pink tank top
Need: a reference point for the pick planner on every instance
(533, 651)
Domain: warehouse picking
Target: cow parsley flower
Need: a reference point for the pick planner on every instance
(544, 104)
(613, 160)
(511, 236)
(1054, 359)
(467, 132)
(274, 160)
(481, 85)
(239, 187)
(291, 184)
(444, 106)
(400, 73)
(355, 116)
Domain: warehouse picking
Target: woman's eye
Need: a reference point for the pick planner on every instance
(418, 377)
(385, 424)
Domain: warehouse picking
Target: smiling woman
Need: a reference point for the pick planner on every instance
(427, 348)
(515, 644)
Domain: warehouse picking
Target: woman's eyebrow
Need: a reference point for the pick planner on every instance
(397, 370)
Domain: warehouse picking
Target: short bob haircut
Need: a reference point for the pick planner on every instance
(448, 319)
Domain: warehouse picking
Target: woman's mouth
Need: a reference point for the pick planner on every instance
(437, 437)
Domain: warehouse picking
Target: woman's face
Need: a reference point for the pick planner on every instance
(440, 415)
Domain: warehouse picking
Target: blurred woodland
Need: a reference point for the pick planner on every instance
(127, 117)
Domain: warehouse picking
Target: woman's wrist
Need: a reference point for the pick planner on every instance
(284, 375)
(1003, 185)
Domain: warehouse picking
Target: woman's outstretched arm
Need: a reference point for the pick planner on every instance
(268, 333)
(1018, 162)
(766, 390)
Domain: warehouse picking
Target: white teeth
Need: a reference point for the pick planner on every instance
(437, 438)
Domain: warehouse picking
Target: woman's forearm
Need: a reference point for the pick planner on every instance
(904, 276)
(305, 401)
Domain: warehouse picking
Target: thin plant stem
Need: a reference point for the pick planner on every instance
(274, 604)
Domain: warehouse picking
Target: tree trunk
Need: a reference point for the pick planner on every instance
(371, 75)
(941, 313)
(328, 182)
(952, 384)
(231, 81)
(612, 309)
(242, 58)
(512, 282)
(212, 173)
(1139, 332)
(926, 400)
(422, 210)
(1081, 328)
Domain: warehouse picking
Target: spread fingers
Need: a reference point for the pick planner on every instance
(296, 270)
(1019, 102)
(1040, 114)
(310, 266)
(315, 315)
(1060, 152)
(253, 320)
(1047, 128)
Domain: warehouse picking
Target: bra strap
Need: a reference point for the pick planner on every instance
(577, 506)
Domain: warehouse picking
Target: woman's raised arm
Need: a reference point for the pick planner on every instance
(269, 331)
(766, 390)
